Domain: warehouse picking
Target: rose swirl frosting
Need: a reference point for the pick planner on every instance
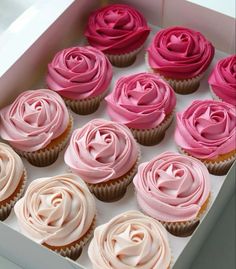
(56, 210)
(130, 240)
(172, 187)
(223, 79)
(79, 73)
(141, 101)
(101, 150)
(117, 29)
(207, 129)
(33, 120)
(180, 53)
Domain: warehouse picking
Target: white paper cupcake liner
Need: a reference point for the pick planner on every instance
(150, 137)
(5, 209)
(49, 155)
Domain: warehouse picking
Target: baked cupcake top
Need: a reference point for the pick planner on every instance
(33, 120)
(79, 73)
(130, 240)
(101, 150)
(180, 53)
(206, 129)
(11, 171)
(141, 101)
(223, 79)
(117, 29)
(56, 210)
(172, 187)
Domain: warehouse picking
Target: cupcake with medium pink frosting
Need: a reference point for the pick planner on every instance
(81, 75)
(173, 189)
(206, 130)
(145, 103)
(119, 31)
(222, 80)
(37, 125)
(130, 240)
(105, 155)
(57, 212)
(181, 56)
(12, 179)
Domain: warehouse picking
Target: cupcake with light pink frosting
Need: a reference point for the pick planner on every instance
(181, 56)
(145, 103)
(119, 31)
(81, 75)
(37, 125)
(12, 179)
(105, 155)
(222, 80)
(130, 240)
(206, 130)
(173, 189)
(57, 212)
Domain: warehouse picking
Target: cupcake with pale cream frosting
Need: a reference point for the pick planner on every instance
(145, 103)
(206, 130)
(81, 75)
(173, 189)
(130, 240)
(37, 125)
(57, 212)
(105, 155)
(12, 179)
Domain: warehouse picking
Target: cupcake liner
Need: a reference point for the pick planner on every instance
(214, 96)
(86, 106)
(48, 155)
(5, 209)
(150, 137)
(114, 190)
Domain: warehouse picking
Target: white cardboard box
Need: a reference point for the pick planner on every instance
(25, 50)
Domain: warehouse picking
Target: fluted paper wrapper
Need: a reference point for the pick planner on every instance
(49, 155)
(5, 209)
(150, 137)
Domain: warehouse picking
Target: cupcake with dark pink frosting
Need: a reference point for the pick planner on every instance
(181, 56)
(81, 75)
(37, 125)
(173, 189)
(119, 31)
(206, 130)
(143, 102)
(222, 80)
(105, 155)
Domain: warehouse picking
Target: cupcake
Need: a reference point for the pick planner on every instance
(81, 75)
(206, 130)
(222, 80)
(59, 213)
(181, 56)
(119, 31)
(105, 155)
(143, 102)
(130, 240)
(173, 189)
(12, 179)
(37, 125)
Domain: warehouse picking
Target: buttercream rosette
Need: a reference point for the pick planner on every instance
(206, 130)
(119, 31)
(222, 80)
(81, 75)
(180, 55)
(173, 189)
(57, 212)
(37, 125)
(143, 102)
(130, 240)
(105, 155)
